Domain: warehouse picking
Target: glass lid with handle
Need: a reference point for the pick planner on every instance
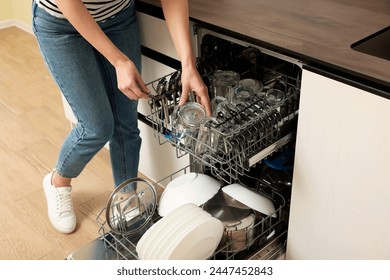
(131, 206)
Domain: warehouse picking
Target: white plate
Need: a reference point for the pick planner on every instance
(166, 229)
(146, 242)
(172, 236)
(251, 199)
(167, 233)
(198, 242)
(179, 231)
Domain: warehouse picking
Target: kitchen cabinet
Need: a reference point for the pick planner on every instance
(339, 205)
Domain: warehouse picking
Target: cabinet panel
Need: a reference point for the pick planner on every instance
(158, 161)
(339, 204)
(155, 35)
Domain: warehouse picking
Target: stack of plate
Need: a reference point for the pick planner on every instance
(187, 233)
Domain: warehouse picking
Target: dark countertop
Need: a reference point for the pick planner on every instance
(318, 33)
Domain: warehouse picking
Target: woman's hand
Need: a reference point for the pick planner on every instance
(130, 81)
(191, 81)
(177, 19)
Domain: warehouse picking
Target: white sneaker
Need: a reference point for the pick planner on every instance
(59, 206)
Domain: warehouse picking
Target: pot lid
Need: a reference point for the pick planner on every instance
(131, 206)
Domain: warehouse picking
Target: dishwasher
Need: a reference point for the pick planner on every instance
(256, 141)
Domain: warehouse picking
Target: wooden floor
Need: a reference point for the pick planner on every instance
(32, 128)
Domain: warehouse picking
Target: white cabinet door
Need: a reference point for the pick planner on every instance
(341, 189)
(158, 161)
(155, 35)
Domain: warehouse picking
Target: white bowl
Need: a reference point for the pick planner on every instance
(192, 187)
(250, 198)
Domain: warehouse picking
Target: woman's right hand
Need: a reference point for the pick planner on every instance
(130, 81)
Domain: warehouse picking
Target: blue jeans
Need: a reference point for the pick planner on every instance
(88, 82)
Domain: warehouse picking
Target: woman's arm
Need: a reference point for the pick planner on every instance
(177, 19)
(129, 80)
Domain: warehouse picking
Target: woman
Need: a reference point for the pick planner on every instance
(92, 50)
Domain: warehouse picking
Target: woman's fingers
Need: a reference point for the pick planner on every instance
(136, 93)
(130, 82)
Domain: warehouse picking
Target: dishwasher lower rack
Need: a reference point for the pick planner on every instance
(268, 230)
(247, 134)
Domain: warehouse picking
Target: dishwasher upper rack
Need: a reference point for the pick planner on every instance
(123, 247)
(251, 132)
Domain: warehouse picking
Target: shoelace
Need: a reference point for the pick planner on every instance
(64, 203)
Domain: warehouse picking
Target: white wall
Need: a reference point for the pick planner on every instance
(15, 13)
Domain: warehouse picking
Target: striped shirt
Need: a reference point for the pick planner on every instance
(99, 9)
